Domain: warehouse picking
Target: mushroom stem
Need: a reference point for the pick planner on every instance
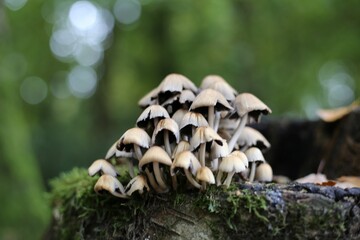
(237, 132)
(131, 168)
(252, 172)
(217, 121)
(191, 179)
(215, 164)
(218, 178)
(174, 182)
(138, 152)
(152, 181)
(211, 116)
(120, 195)
(167, 142)
(158, 175)
(202, 152)
(228, 178)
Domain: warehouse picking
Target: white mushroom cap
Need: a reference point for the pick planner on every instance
(206, 175)
(192, 119)
(166, 124)
(149, 98)
(247, 103)
(138, 183)
(219, 84)
(176, 83)
(264, 172)
(178, 115)
(133, 136)
(181, 147)
(254, 155)
(185, 160)
(218, 151)
(210, 97)
(204, 135)
(155, 154)
(102, 166)
(151, 112)
(233, 163)
(111, 152)
(110, 184)
(186, 96)
(251, 137)
(243, 159)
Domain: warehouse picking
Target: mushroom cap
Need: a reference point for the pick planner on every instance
(185, 160)
(206, 175)
(254, 155)
(112, 151)
(155, 154)
(225, 134)
(247, 103)
(253, 138)
(186, 96)
(233, 163)
(137, 136)
(180, 147)
(110, 184)
(102, 166)
(178, 115)
(166, 124)
(176, 83)
(204, 135)
(240, 154)
(151, 112)
(219, 84)
(210, 97)
(218, 151)
(138, 183)
(264, 172)
(192, 119)
(149, 98)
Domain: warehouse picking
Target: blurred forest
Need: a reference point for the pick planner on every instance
(71, 73)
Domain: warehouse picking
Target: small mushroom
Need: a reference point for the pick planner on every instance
(110, 184)
(219, 84)
(191, 121)
(102, 166)
(138, 183)
(246, 106)
(250, 137)
(211, 102)
(180, 147)
(149, 98)
(231, 164)
(178, 115)
(205, 175)
(254, 156)
(166, 131)
(202, 136)
(156, 156)
(189, 163)
(218, 151)
(264, 172)
(150, 117)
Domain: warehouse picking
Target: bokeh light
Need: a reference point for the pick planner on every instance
(15, 4)
(82, 81)
(58, 85)
(127, 11)
(33, 90)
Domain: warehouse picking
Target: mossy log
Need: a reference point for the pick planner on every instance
(250, 211)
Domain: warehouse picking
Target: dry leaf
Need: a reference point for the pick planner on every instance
(332, 115)
(313, 178)
(349, 180)
(328, 183)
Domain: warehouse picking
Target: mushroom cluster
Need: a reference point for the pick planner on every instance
(188, 136)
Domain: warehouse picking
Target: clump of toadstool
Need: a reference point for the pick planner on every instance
(188, 136)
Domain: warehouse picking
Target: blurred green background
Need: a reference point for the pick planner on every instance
(71, 73)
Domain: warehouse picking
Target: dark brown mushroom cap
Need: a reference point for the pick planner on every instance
(207, 98)
(133, 136)
(155, 154)
(247, 103)
(166, 124)
(151, 112)
(219, 84)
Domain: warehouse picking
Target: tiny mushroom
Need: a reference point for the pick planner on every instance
(264, 172)
(250, 137)
(166, 131)
(189, 163)
(205, 175)
(218, 151)
(211, 102)
(191, 121)
(102, 166)
(231, 164)
(138, 183)
(149, 98)
(254, 156)
(248, 108)
(156, 156)
(150, 117)
(110, 184)
(180, 147)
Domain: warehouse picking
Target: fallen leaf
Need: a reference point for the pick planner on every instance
(332, 115)
(313, 178)
(351, 180)
(327, 183)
